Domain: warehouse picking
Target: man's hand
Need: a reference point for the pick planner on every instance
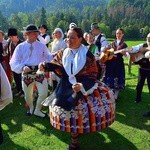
(26, 69)
(41, 67)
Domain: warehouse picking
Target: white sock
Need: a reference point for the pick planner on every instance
(31, 109)
(39, 113)
(116, 92)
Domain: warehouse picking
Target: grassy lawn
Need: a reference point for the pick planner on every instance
(130, 131)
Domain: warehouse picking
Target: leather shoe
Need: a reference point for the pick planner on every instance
(28, 112)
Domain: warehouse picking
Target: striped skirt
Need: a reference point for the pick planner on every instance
(91, 114)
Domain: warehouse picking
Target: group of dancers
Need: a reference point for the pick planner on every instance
(88, 78)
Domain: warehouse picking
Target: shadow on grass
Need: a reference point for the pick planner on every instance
(130, 113)
(127, 112)
(13, 119)
(107, 139)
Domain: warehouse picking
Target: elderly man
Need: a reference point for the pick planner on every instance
(25, 60)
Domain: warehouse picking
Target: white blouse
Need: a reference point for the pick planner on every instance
(30, 55)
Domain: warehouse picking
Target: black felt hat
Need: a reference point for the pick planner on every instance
(30, 28)
(12, 32)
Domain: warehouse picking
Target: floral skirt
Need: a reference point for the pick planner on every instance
(91, 114)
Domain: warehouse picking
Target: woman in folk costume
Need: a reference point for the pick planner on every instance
(4, 58)
(5, 94)
(3, 43)
(80, 103)
(57, 44)
(115, 71)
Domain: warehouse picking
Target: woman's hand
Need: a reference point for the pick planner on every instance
(41, 67)
(76, 87)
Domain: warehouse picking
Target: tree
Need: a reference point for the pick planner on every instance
(4, 24)
(105, 29)
(43, 16)
(86, 25)
(62, 24)
(24, 18)
(16, 22)
(132, 32)
(146, 30)
(52, 22)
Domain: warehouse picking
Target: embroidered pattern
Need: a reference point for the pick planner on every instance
(92, 113)
(40, 78)
(28, 80)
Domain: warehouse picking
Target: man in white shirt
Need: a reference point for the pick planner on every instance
(25, 60)
(141, 57)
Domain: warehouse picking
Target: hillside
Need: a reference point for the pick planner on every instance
(132, 15)
(8, 7)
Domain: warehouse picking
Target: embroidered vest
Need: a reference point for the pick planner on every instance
(44, 35)
(98, 42)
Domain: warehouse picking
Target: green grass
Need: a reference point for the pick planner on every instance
(129, 42)
(133, 43)
(130, 131)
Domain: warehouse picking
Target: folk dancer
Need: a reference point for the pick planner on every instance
(80, 103)
(25, 60)
(115, 70)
